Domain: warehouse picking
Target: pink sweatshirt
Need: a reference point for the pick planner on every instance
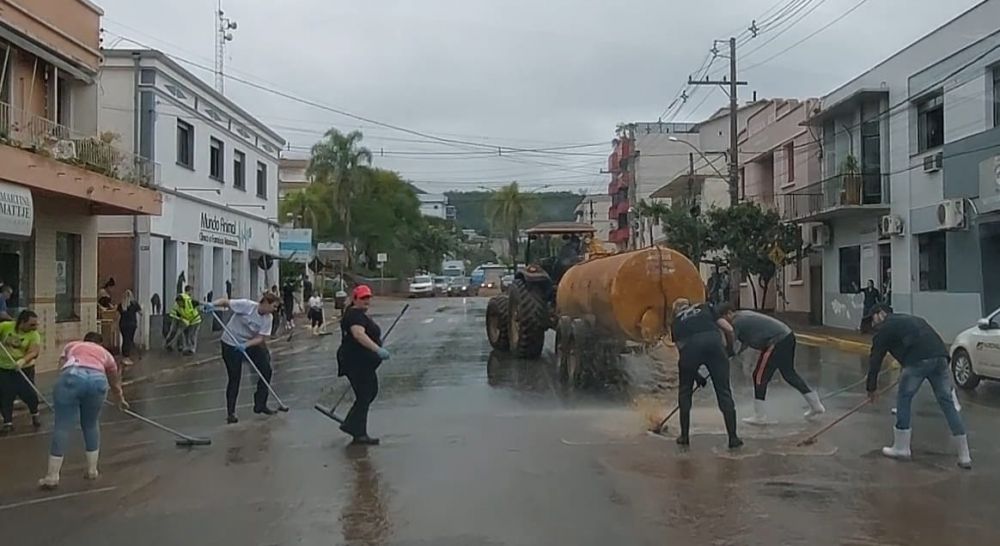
(88, 355)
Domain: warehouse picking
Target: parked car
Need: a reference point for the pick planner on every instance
(440, 286)
(975, 354)
(422, 286)
(459, 286)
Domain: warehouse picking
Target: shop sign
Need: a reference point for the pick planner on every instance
(219, 230)
(17, 210)
(295, 245)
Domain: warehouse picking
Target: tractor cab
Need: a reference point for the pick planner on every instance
(552, 249)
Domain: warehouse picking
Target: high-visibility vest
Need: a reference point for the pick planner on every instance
(188, 312)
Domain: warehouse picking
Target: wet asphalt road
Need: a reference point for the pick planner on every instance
(481, 450)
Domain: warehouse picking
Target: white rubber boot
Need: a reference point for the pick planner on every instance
(759, 418)
(92, 473)
(900, 446)
(51, 479)
(964, 458)
(815, 406)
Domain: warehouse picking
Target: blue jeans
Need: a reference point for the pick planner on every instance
(935, 371)
(78, 396)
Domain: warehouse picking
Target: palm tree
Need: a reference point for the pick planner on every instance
(336, 161)
(309, 207)
(508, 210)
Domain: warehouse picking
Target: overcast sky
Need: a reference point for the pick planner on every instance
(518, 73)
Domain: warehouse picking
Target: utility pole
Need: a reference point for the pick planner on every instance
(734, 154)
(222, 35)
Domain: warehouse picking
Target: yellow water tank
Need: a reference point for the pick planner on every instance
(630, 294)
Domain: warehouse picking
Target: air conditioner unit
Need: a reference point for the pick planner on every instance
(817, 235)
(891, 224)
(951, 214)
(933, 162)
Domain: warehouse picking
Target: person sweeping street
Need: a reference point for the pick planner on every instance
(923, 355)
(697, 332)
(247, 330)
(358, 358)
(22, 344)
(776, 343)
(87, 372)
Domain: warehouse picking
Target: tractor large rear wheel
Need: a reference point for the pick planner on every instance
(498, 322)
(529, 319)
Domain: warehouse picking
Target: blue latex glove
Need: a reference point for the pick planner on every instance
(207, 308)
(383, 353)
(241, 347)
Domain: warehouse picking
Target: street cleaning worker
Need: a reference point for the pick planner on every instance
(191, 317)
(358, 357)
(248, 329)
(21, 345)
(177, 325)
(697, 332)
(923, 356)
(776, 343)
(87, 372)
(316, 313)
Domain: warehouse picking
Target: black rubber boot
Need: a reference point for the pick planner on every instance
(264, 410)
(684, 439)
(734, 440)
(232, 419)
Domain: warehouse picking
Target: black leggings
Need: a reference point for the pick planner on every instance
(317, 317)
(128, 338)
(705, 349)
(234, 360)
(778, 357)
(13, 385)
(364, 382)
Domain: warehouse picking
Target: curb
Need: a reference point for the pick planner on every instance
(835, 342)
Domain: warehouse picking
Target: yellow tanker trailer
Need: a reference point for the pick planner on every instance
(595, 305)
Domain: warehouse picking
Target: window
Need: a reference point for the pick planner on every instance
(67, 276)
(239, 170)
(790, 160)
(850, 269)
(185, 144)
(996, 96)
(216, 159)
(930, 123)
(261, 180)
(933, 261)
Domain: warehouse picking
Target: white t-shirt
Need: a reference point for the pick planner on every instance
(316, 302)
(246, 323)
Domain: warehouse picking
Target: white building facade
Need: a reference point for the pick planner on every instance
(882, 210)
(435, 205)
(218, 231)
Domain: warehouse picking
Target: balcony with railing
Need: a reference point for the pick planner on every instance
(841, 196)
(39, 152)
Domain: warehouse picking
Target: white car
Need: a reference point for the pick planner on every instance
(975, 354)
(421, 286)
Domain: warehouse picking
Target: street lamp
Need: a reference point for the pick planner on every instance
(702, 154)
(215, 190)
(237, 205)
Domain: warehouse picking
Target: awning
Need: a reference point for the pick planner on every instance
(17, 39)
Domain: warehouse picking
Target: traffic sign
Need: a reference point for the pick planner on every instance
(777, 255)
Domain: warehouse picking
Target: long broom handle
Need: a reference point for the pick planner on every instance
(812, 439)
(153, 423)
(250, 360)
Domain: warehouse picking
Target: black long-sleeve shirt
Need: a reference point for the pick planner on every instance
(908, 339)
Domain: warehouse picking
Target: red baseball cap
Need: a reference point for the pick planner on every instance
(361, 291)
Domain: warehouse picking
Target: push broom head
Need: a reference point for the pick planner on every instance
(191, 442)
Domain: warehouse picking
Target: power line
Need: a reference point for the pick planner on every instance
(808, 37)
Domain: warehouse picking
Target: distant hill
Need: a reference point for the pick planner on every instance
(470, 208)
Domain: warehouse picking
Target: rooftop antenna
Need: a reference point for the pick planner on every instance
(223, 34)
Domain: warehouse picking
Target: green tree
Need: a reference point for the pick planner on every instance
(430, 242)
(383, 211)
(508, 210)
(756, 242)
(309, 207)
(690, 234)
(336, 162)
